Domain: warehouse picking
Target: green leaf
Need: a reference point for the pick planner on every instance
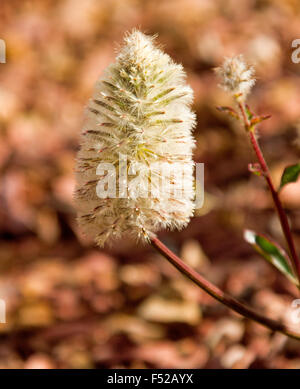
(249, 113)
(290, 174)
(255, 168)
(229, 110)
(272, 252)
(258, 119)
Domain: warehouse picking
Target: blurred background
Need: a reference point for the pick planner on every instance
(71, 305)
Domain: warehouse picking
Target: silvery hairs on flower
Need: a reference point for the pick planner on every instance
(138, 120)
(236, 76)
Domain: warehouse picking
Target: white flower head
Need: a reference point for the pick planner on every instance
(236, 76)
(140, 113)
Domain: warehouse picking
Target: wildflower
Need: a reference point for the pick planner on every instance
(140, 112)
(236, 76)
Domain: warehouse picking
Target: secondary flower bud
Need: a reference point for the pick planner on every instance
(236, 76)
(138, 120)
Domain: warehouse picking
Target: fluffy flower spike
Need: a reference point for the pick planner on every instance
(236, 76)
(140, 113)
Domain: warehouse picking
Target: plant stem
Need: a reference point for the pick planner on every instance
(219, 295)
(277, 202)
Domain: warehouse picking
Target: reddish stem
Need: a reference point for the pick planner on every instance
(278, 205)
(219, 295)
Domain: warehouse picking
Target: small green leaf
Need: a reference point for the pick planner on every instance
(249, 113)
(290, 174)
(272, 252)
(229, 110)
(258, 119)
(255, 168)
